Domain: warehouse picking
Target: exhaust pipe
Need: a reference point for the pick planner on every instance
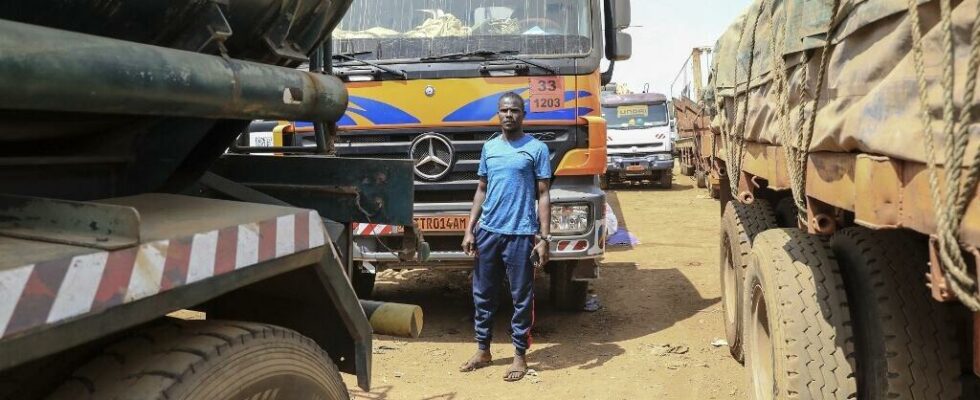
(394, 319)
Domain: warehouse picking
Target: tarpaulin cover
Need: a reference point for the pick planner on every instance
(870, 98)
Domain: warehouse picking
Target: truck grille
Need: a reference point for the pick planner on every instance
(459, 183)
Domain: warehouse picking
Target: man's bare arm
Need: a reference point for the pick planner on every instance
(478, 198)
(544, 218)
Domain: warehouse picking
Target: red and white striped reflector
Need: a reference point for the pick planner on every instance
(361, 229)
(572, 245)
(53, 291)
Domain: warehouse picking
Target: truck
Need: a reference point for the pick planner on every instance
(424, 78)
(639, 143)
(126, 203)
(848, 162)
(696, 143)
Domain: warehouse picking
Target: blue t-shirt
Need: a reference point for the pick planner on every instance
(512, 170)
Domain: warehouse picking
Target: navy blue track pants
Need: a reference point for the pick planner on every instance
(500, 255)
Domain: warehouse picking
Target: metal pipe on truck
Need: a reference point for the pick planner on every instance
(65, 71)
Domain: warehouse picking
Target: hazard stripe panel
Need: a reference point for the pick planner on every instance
(565, 246)
(362, 229)
(51, 292)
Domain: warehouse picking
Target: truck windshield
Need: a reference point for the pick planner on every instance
(635, 116)
(411, 30)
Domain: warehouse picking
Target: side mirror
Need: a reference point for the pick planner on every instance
(622, 14)
(621, 49)
(619, 45)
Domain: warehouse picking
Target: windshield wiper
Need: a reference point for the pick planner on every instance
(506, 55)
(351, 57)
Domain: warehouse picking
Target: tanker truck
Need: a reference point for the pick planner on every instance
(848, 167)
(121, 203)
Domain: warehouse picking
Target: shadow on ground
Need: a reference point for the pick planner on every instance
(636, 303)
(382, 393)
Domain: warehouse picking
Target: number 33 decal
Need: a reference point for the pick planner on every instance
(547, 93)
(549, 85)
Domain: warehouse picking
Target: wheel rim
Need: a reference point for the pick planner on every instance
(759, 356)
(728, 284)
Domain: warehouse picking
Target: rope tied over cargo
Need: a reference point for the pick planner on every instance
(949, 197)
(797, 149)
(734, 140)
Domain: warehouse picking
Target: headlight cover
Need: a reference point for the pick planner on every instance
(664, 157)
(570, 219)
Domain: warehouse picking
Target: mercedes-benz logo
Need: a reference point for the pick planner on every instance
(433, 155)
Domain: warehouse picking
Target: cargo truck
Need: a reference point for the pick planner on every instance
(848, 181)
(424, 78)
(696, 142)
(120, 204)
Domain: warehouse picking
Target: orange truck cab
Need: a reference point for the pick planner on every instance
(424, 78)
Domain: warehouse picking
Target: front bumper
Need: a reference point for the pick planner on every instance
(643, 165)
(446, 251)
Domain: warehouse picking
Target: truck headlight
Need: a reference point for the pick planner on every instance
(570, 219)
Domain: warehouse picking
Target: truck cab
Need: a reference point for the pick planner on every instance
(640, 146)
(424, 78)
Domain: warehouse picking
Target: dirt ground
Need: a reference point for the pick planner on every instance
(651, 338)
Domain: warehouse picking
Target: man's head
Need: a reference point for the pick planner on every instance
(510, 110)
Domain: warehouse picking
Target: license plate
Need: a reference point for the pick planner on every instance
(635, 168)
(451, 223)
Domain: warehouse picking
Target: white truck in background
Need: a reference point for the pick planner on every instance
(639, 143)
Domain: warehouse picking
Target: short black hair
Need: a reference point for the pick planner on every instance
(511, 95)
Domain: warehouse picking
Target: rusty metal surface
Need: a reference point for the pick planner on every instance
(78, 223)
(881, 191)
(768, 162)
(832, 175)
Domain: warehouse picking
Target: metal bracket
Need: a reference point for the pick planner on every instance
(414, 246)
(746, 187)
(88, 224)
(210, 32)
(821, 218)
(278, 37)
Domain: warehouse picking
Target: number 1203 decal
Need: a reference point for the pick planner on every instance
(547, 93)
(547, 102)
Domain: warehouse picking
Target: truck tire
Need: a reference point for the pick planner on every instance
(787, 215)
(798, 338)
(567, 294)
(701, 179)
(739, 226)
(363, 283)
(687, 170)
(906, 345)
(667, 180)
(604, 182)
(207, 360)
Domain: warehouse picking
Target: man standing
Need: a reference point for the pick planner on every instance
(511, 237)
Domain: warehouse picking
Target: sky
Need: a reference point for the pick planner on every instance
(664, 33)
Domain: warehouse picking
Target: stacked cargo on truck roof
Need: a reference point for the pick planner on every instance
(120, 204)
(846, 151)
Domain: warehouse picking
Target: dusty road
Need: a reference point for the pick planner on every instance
(650, 340)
